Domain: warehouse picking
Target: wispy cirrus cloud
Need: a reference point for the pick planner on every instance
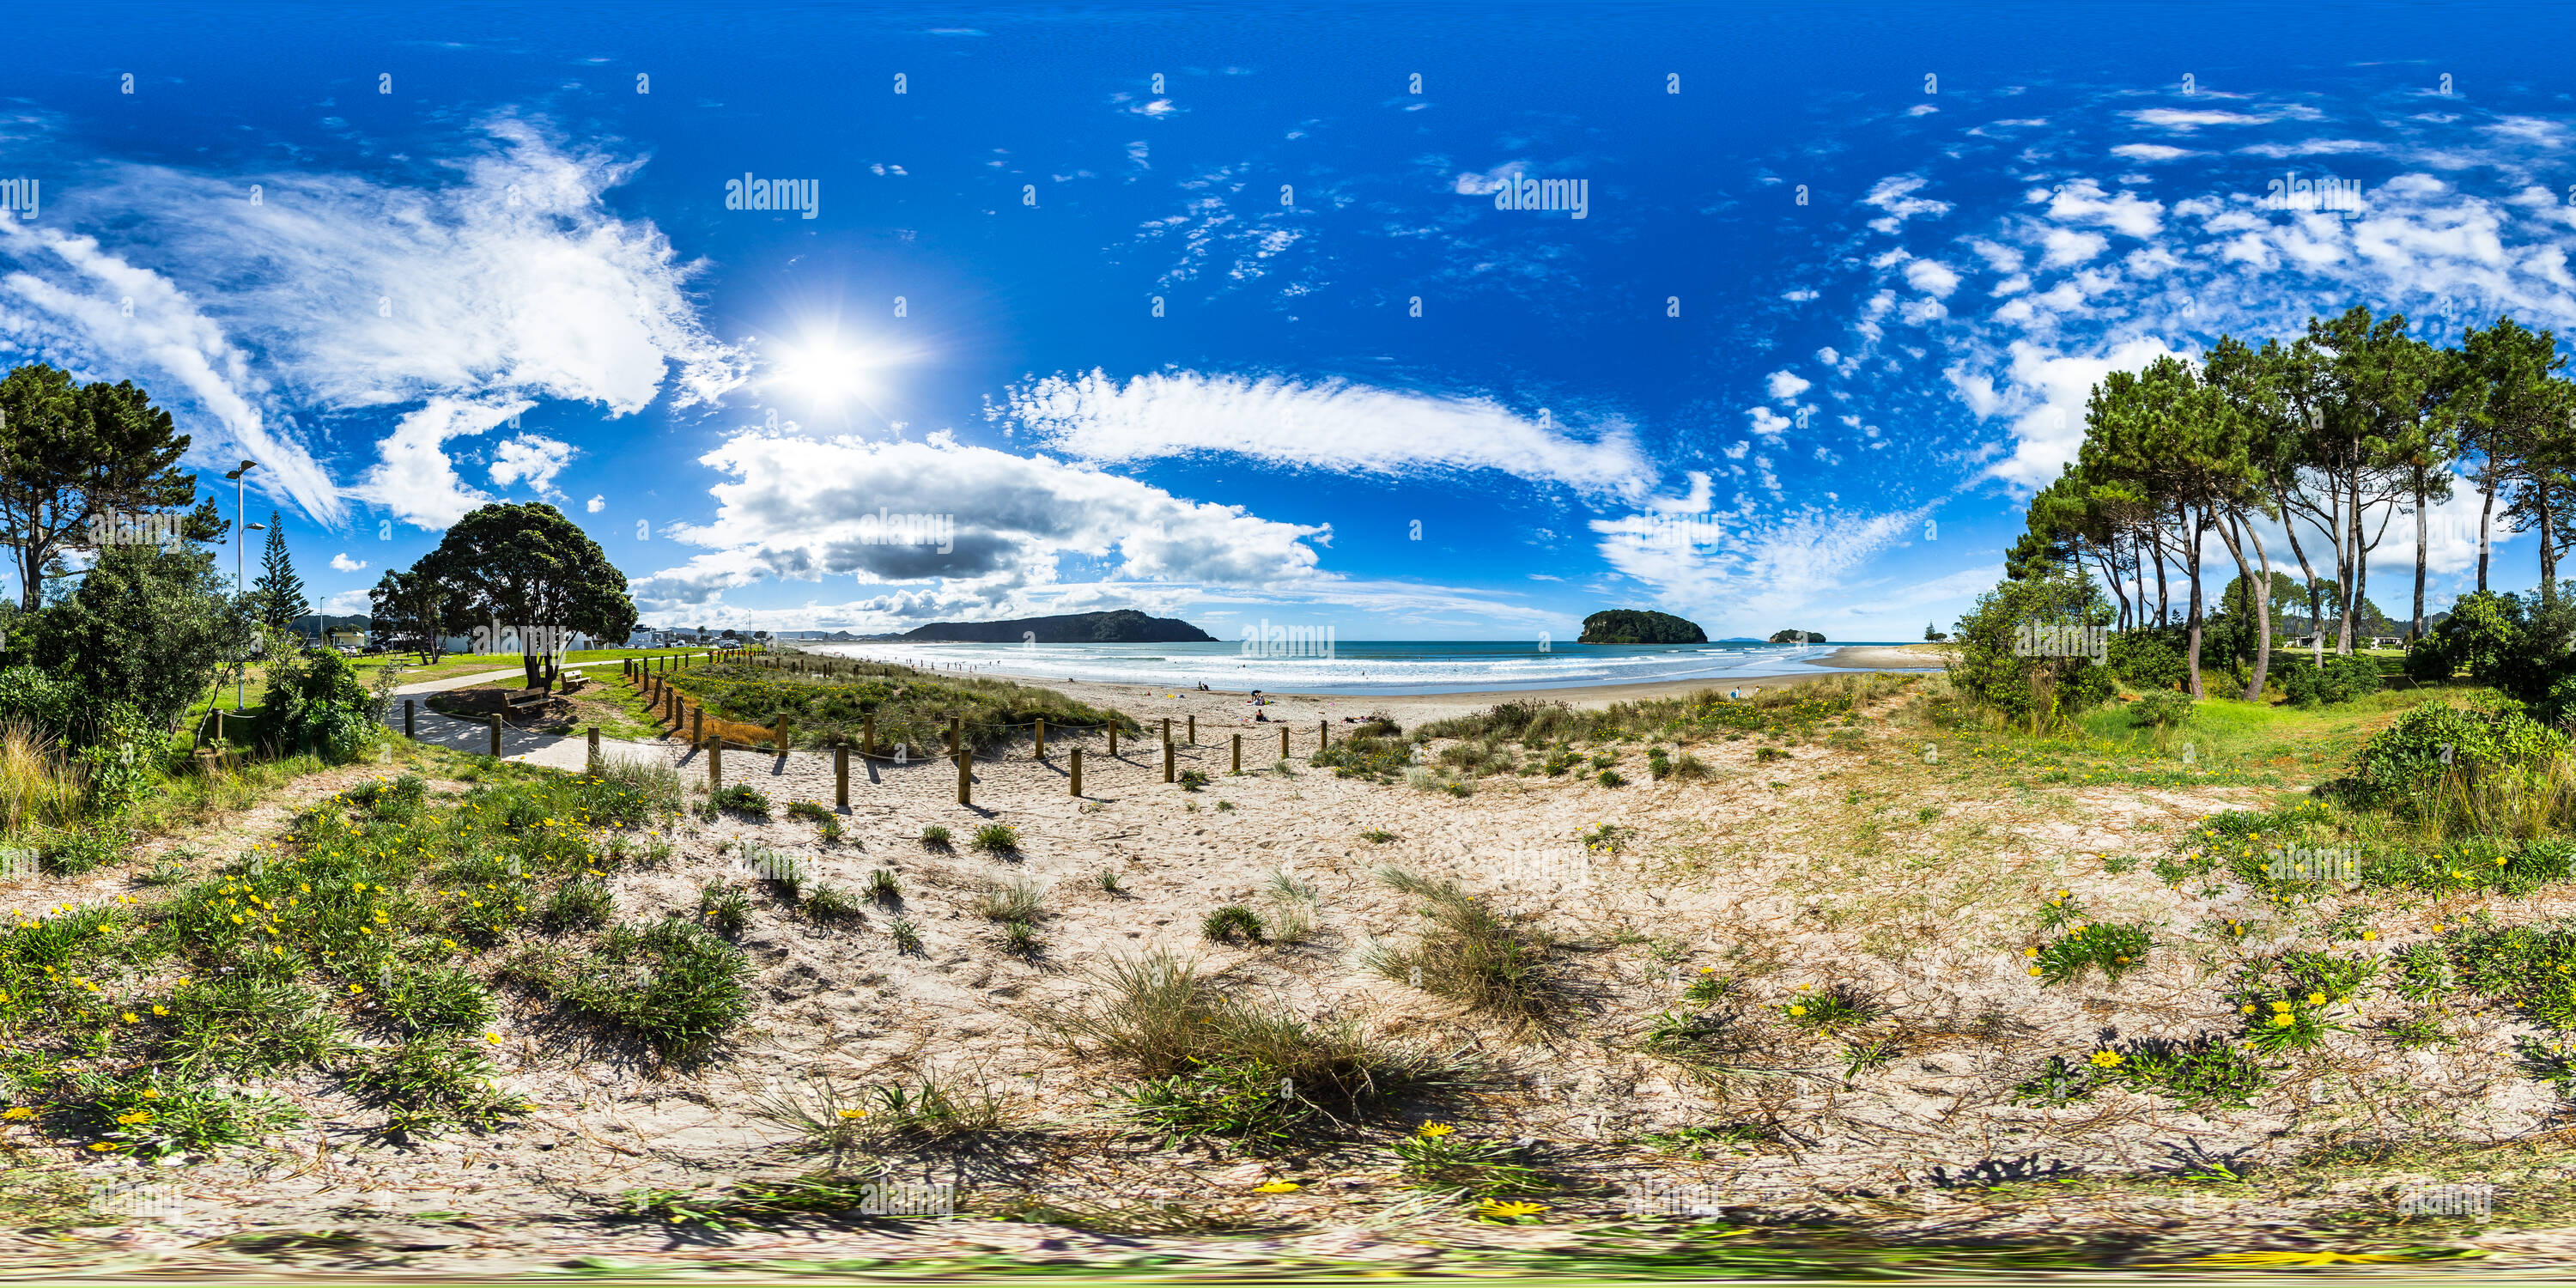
(1323, 425)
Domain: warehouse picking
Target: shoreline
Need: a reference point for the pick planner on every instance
(1233, 709)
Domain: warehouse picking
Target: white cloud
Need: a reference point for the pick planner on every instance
(1786, 385)
(413, 477)
(805, 509)
(343, 563)
(1768, 425)
(511, 282)
(1325, 426)
(2151, 152)
(1757, 569)
(1895, 195)
(595, 504)
(532, 459)
(1932, 277)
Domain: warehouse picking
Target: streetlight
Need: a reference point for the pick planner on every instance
(244, 534)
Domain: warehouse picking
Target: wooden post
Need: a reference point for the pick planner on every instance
(868, 736)
(1041, 737)
(956, 734)
(697, 725)
(1167, 754)
(965, 788)
(1194, 730)
(1238, 753)
(715, 764)
(219, 724)
(411, 714)
(1283, 742)
(1323, 734)
(593, 762)
(496, 735)
(841, 775)
(1113, 739)
(1077, 769)
(782, 733)
(1167, 731)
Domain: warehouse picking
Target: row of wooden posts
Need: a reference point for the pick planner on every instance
(667, 704)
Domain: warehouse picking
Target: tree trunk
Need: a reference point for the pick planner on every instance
(2191, 554)
(2164, 603)
(2548, 547)
(2316, 619)
(2483, 512)
(2358, 567)
(2415, 631)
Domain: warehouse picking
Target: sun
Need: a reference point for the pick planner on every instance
(827, 374)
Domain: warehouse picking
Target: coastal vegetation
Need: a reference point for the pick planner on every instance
(1639, 626)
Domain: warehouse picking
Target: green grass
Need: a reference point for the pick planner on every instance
(1467, 953)
(832, 700)
(672, 985)
(1231, 922)
(996, 838)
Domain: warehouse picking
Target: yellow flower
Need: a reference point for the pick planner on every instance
(2106, 1059)
(131, 1017)
(2283, 1021)
(150, 1094)
(2030, 952)
(135, 1119)
(1434, 1131)
(853, 1115)
(1276, 1187)
(1508, 1209)
(2316, 999)
(493, 1038)
(19, 1114)
(1797, 1010)
(2370, 934)
(2035, 970)
(2280, 1006)
(160, 1010)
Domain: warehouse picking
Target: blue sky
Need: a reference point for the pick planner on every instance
(355, 243)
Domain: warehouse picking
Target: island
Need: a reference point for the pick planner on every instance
(1122, 626)
(1796, 637)
(1639, 626)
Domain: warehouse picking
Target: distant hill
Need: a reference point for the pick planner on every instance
(1123, 626)
(313, 624)
(1796, 637)
(1639, 626)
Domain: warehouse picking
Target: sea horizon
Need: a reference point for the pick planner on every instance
(1364, 667)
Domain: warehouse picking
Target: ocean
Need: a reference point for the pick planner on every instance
(1357, 666)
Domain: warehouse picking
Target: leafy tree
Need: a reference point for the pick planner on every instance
(1995, 669)
(408, 610)
(71, 454)
(277, 598)
(149, 627)
(527, 566)
(2513, 411)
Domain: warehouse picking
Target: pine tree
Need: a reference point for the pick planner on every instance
(278, 596)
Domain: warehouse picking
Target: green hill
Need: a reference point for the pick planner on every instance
(1639, 626)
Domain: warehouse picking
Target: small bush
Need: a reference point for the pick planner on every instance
(1013, 898)
(907, 937)
(828, 903)
(578, 905)
(73, 853)
(1192, 779)
(1020, 938)
(884, 887)
(723, 907)
(428, 1085)
(823, 819)
(1831, 1009)
(741, 799)
(1378, 836)
(2160, 709)
(1109, 882)
(997, 838)
(435, 1000)
(672, 984)
(1468, 954)
(934, 837)
(1230, 922)
(1610, 778)
(157, 1115)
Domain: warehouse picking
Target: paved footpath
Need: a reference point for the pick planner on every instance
(558, 751)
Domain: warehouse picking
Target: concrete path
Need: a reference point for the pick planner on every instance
(558, 751)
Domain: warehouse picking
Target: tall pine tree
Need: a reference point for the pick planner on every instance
(278, 596)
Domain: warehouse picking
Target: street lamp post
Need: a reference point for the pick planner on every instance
(241, 535)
